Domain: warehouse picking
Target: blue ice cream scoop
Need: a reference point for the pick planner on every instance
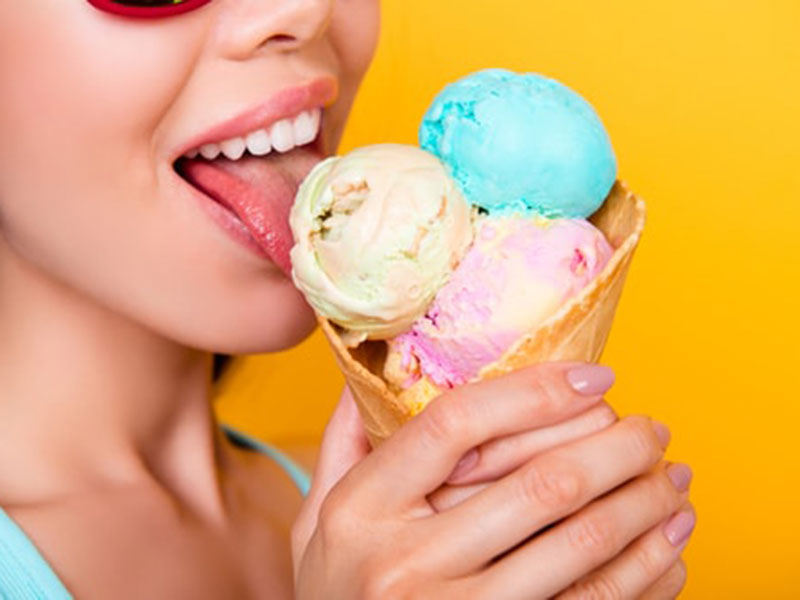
(521, 143)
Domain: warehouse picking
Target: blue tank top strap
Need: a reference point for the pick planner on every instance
(24, 573)
(300, 477)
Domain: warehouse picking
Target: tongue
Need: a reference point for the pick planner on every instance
(260, 190)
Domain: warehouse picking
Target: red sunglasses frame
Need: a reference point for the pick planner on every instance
(147, 12)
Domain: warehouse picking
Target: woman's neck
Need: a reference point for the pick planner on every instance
(88, 397)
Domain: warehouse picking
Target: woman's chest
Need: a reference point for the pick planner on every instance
(145, 548)
(182, 562)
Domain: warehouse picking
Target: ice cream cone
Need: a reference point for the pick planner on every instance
(578, 331)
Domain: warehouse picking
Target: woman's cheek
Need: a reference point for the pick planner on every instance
(355, 28)
(353, 33)
(100, 79)
(80, 103)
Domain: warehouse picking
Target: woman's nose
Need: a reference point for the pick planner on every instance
(249, 26)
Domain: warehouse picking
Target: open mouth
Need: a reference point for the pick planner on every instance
(253, 178)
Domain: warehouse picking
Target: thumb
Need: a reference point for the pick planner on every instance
(344, 444)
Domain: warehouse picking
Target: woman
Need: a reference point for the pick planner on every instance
(126, 260)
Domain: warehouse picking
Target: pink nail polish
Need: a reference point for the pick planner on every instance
(679, 528)
(590, 380)
(680, 475)
(465, 464)
(663, 433)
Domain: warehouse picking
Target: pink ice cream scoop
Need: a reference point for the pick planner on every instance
(517, 273)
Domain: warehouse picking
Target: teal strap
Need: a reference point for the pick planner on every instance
(296, 472)
(24, 573)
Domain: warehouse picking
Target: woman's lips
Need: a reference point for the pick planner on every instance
(259, 192)
(250, 198)
(290, 102)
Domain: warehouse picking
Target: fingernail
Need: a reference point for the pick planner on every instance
(591, 380)
(680, 475)
(663, 433)
(465, 464)
(679, 528)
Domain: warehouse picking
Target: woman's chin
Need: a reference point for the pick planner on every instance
(281, 322)
(293, 329)
(282, 329)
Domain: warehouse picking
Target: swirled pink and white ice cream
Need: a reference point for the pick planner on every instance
(517, 273)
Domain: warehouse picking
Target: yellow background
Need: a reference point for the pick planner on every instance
(702, 101)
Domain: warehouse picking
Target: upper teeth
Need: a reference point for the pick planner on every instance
(282, 136)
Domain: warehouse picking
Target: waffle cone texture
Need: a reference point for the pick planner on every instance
(578, 331)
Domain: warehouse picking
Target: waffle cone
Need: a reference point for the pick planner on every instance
(578, 331)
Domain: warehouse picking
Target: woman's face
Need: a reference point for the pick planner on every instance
(96, 111)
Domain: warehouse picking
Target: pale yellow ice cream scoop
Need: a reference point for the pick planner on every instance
(377, 232)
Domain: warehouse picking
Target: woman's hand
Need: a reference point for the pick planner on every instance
(588, 514)
(498, 457)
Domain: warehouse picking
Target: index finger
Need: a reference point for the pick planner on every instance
(343, 445)
(421, 455)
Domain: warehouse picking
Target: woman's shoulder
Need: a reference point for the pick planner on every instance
(273, 477)
(296, 458)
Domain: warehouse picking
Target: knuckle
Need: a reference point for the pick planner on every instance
(642, 440)
(658, 492)
(382, 580)
(444, 420)
(593, 536)
(336, 522)
(549, 399)
(676, 578)
(297, 534)
(652, 560)
(375, 586)
(689, 506)
(604, 415)
(600, 586)
(551, 486)
(666, 496)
